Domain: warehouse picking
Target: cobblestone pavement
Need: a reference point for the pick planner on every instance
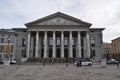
(58, 72)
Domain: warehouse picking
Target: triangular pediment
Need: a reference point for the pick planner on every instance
(58, 19)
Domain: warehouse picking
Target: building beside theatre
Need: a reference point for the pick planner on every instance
(54, 36)
(112, 50)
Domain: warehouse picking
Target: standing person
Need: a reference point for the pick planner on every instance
(118, 65)
(80, 63)
(77, 63)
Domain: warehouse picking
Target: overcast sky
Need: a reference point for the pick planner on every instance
(101, 13)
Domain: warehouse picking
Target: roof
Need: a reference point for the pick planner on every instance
(118, 38)
(97, 28)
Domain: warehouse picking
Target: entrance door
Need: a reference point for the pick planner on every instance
(50, 53)
(42, 52)
(82, 53)
(66, 53)
(74, 53)
(58, 53)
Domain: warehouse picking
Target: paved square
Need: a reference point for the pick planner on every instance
(58, 72)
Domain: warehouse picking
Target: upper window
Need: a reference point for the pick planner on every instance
(23, 42)
(58, 41)
(50, 41)
(65, 41)
(2, 40)
(92, 39)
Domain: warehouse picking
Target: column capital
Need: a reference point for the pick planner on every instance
(37, 31)
(54, 32)
(70, 32)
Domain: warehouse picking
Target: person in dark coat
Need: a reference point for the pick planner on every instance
(80, 62)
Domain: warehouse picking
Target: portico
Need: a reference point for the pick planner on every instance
(58, 36)
(56, 44)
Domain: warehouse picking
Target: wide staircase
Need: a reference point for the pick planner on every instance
(50, 60)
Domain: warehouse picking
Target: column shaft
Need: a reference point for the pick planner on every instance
(40, 46)
(45, 45)
(70, 45)
(54, 45)
(88, 44)
(62, 44)
(28, 44)
(79, 45)
(37, 44)
(31, 46)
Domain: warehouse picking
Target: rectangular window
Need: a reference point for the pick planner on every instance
(50, 41)
(93, 52)
(73, 41)
(11, 48)
(65, 41)
(23, 54)
(2, 40)
(58, 41)
(92, 39)
(23, 42)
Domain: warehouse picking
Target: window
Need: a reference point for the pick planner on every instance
(23, 54)
(92, 39)
(23, 42)
(93, 53)
(92, 31)
(2, 40)
(58, 41)
(65, 41)
(24, 31)
(73, 41)
(42, 42)
(50, 41)
(1, 48)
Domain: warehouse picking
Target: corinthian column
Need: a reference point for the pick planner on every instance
(54, 45)
(45, 45)
(62, 44)
(28, 44)
(70, 45)
(88, 44)
(37, 44)
(79, 45)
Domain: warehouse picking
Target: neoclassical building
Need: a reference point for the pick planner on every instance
(55, 36)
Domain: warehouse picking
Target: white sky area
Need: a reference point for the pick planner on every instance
(101, 13)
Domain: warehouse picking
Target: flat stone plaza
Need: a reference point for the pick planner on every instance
(58, 72)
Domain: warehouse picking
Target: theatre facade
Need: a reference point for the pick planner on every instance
(56, 36)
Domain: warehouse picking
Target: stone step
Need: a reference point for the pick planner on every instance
(51, 60)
